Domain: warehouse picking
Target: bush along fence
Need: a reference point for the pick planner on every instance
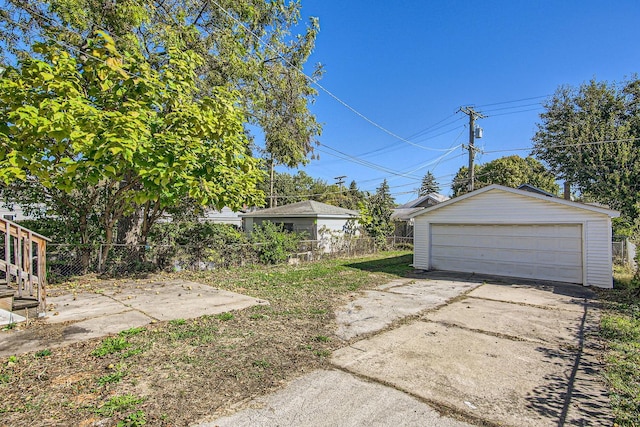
(67, 260)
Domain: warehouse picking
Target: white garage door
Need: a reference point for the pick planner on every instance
(546, 252)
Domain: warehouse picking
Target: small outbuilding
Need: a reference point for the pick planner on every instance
(504, 231)
(319, 221)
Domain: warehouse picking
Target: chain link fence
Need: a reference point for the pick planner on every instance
(65, 261)
(624, 252)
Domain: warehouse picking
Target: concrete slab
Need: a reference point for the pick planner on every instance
(80, 306)
(492, 378)
(516, 320)
(375, 310)
(566, 297)
(105, 325)
(24, 341)
(8, 318)
(90, 315)
(180, 299)
(335, 398)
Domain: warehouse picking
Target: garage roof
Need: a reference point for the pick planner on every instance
(307, 208)
(496, 187)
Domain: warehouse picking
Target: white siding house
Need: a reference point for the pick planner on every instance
(508, 232)
(319, 221)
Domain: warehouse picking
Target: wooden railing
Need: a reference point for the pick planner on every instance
(23, 262)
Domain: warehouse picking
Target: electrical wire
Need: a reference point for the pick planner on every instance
(321, 87)
(578, 144)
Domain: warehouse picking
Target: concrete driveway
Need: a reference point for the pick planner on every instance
(470, 351)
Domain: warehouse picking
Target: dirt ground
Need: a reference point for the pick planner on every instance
(178, 372)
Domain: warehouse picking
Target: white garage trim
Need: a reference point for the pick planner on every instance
(516, 243)
(535, 251)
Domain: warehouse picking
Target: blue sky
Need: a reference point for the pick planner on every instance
(409, 65)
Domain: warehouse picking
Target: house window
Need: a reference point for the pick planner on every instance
(286, 226)
(9, 217)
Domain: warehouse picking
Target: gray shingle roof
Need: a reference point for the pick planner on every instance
(309, 208)
(435, 197)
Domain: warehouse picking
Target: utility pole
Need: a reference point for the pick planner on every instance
(473, 115)
(340, 180)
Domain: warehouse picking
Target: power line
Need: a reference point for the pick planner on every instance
(577, 144)
(512, 108)
(514, 112)
(514, 101)
(345, 156)
(315, 82)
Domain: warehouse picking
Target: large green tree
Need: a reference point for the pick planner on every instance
(248, 45)
(375, 214)
(106, 133)
(590, 136)
(288, 188)
(510, 171)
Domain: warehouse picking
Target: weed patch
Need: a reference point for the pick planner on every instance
(224, 316)
(115, 377)
(43, 353)
(118, 404)
(620, 329)
(239, 354)
(111, 345)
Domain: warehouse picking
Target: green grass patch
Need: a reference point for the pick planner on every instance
(196, 332)
(43, 353)
(620, 329)
(224, 316)
(118, 404)
(111, 345)
(131, 332)
(134, 419)
(262, 363)
(113, 378)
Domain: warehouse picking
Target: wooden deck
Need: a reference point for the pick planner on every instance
(23, 277)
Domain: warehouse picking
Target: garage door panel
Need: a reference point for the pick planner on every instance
(550, 252)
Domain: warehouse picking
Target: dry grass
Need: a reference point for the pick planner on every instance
(184, 371)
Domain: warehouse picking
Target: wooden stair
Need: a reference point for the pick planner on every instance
(22, 269)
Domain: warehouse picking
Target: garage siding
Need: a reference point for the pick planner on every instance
(420, 246)
(598, 253)
(502, 207)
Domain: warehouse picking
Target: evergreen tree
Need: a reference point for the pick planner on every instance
(429, 185)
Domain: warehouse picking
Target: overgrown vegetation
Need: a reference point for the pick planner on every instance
(183, 245)
(239, 354)
(272, 243)
(620, 330)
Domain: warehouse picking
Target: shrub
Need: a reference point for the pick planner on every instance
(273, 244)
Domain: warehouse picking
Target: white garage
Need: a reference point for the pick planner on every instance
(507, 232)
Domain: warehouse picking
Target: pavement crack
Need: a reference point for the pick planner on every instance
(481, 331)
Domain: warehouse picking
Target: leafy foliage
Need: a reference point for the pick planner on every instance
(589, 136)
(229, 36)
(111, 129)
(222, 244)
(288, 188)
(375, 214)
(510, 171)
(273, 244)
